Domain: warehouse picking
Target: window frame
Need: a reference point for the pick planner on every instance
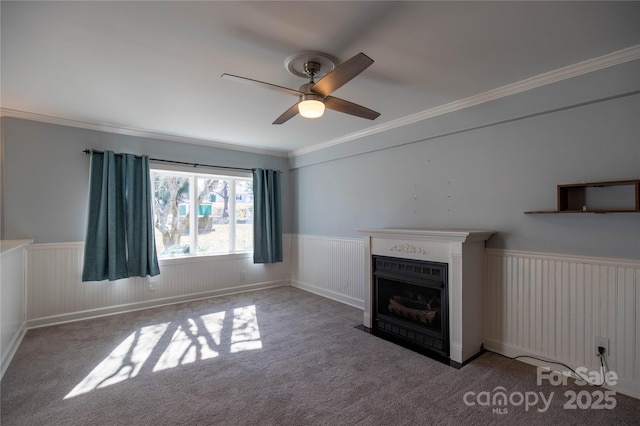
(230, 175)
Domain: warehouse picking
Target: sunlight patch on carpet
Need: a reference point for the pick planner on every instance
(124, 362)
(198, 339)
(246, 334)
(191, 344)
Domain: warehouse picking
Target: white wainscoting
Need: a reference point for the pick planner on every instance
(13, 307)
(56, 293)
(541, 304)
(553, 306)
(330, 267)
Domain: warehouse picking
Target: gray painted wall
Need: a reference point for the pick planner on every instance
(482, 167)
(46, 174)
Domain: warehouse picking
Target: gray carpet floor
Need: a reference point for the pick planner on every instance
(273, 357)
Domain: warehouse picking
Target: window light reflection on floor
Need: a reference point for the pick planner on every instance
(197, 339)
(245, 335)
(190, 345)
(124, 362)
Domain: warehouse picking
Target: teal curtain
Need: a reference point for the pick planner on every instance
(267, 217)
(120, 237)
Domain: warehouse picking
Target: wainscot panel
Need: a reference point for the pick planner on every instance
(330, 267)
(554, 307)
(13, 306)
(56, 293)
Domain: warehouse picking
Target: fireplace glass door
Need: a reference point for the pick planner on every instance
(410, 302)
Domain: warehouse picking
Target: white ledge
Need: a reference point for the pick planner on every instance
(7, 246)
(457, 235)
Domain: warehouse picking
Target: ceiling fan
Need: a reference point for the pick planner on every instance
(313, 97)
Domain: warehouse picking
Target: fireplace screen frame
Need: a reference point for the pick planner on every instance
(424, 276)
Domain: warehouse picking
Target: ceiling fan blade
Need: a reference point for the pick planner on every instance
(287, 115)
(262, 84)
(347, 107)
(342, 74)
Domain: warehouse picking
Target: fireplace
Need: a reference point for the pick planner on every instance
(410, 300)
(418, 262)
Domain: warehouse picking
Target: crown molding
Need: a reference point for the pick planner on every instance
(6, 112)
(609, 60)
(580, 68)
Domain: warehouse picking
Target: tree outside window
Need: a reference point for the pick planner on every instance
(199, 213)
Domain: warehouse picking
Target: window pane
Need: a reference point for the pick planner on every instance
(219, 209)
(171, 213)
(244, 215)
(213, 215)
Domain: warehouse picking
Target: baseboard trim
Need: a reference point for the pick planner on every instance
(624, 386)
(138, 306)
(13, 347)
(347, 300)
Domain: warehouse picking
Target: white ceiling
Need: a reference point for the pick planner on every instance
(155, 66)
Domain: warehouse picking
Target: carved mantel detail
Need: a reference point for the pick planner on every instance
(408, 248)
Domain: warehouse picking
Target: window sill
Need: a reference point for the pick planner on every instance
(180, 260)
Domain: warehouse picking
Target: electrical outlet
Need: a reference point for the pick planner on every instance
(603, 342)
(243, 275)
(152, 287)
(345, 283)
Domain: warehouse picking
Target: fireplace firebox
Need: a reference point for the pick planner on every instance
(410, 303)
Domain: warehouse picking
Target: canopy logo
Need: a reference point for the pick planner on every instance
(499, 399)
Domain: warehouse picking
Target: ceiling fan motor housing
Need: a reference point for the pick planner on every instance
(311, 97)
(306, 90)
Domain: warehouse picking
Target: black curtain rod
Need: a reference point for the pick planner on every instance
(158, 160)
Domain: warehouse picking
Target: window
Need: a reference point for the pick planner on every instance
(201, 214)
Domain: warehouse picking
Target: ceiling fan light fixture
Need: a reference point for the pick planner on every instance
(311, 106)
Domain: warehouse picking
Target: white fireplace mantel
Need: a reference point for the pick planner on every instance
(463, 251)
